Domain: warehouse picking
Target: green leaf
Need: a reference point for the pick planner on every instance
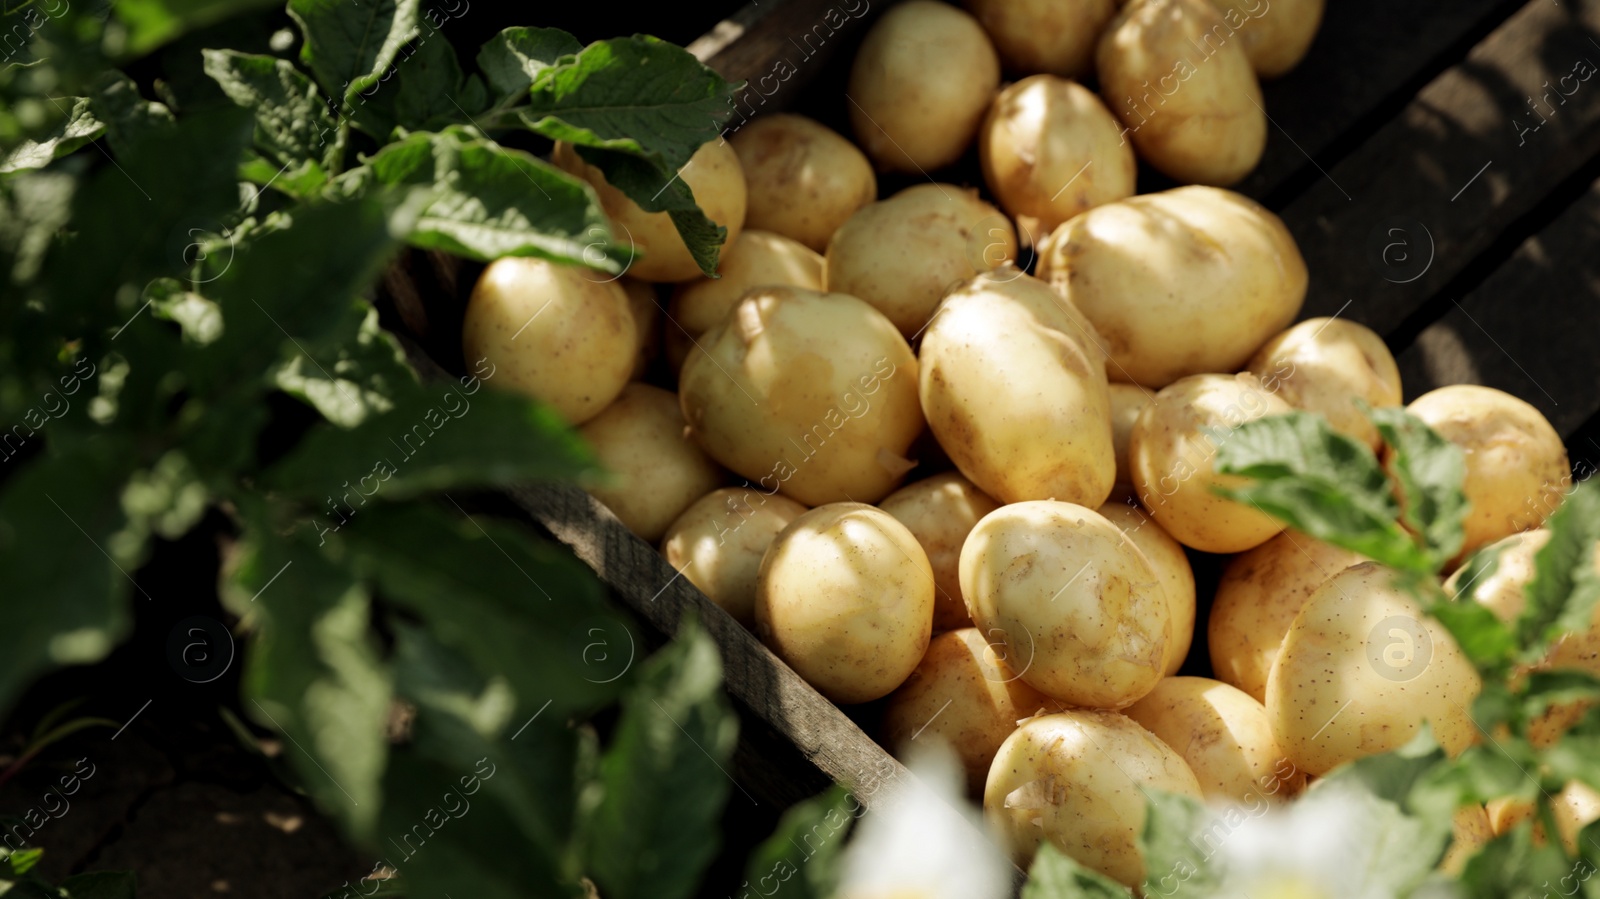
(1320, 482)
(302, 181)
(489, 201)
(312, 672)
(664, 776)
(1547, 688)
(656, 189)
(1401, 851)
(21, 862)
(356, 372)
(1430, 471)
(1512, 865)
(1055, 876)
(293, 125)
(350, 46)
(74, 129)
(129, 118)
(1574, 757)
(166, 498)
(34, 206)
(101, 885)
(1485, 639)
(199, 318)
(151, 23)
(1396, 775)
(1566, 574)
(512, 59)
(431, 91)
(807, 868)
(1177, 843)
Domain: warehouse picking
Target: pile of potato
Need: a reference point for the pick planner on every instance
(919, 472)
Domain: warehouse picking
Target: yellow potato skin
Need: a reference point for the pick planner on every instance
(553, 332)
(1044, 35)
(1575, 807)
(1172, 461)
(845, 597)
(719, 540)
(919, 86)
(1180, 80)
(964, 693)
(1326, 365)
(804, 179)
(1182, 282)
(1171, 565)
(754, 259)
(1127, 401)
(1470, 830)
(1260, 593)
(1070, 600)
(905, 253)
(1517, 468)
(1050, 150)
(658, 471)
(1223, 735)
(712, 173)
(1328, 696)
(940, 512)
(1077, 779)
(646, 322)
(1276, 33)
(1013, 397)
(813, 394)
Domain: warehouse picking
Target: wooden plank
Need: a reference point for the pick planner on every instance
(1529, 328)
(1436, 185)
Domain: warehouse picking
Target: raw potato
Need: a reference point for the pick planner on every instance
(755, 259)
(940, 512)
(658, 470)
(1127, 401)
(1171, 458)
(1065, 778)
(646, 319)
(1045, 35)
(1013, 397)
(1180, 81)
(1575, 807)
(1325, 365)
(1470, 830)
(804, 179)
(1276, 33)
(814, 394)
(1361, 668)
(1070, 600)
(1517, 469)
(905, 253)
(712, 173)
(965, 693)
(552, 333)
(1171, 565)
(1050, 150)
(845, 596)
(1183, 282)
(718, 542)
(1224, 737)
(919, 86)
(1260, 593)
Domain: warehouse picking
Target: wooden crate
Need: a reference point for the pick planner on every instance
(1403, 155)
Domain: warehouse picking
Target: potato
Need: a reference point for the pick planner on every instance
(1008, 389)
(845, 596)
(712, 173)
(646, 321)
(1224, 737)
(755, 259)
(1050, 150)
(658, 471)
(1171, 565)
(718, 542)
(552, 332)
(1044, 35)
(1260, 593)
(804, 179)
(1276, 33)
(962, 692)
(919, 86)
(1182, 282)
(1066, 778)
(904, 253)
(1470, 831)
(940, 512)
(1574, 808)
(1171, 458)
(1326, 365)
(1360, 670)
(1517, 469)
(1180, 80)
(814, 394)
(1127, 401)
(1077, 608)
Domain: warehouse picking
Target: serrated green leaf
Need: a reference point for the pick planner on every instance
(350, 46)
(431, 92)
(1512, 864)
(22, 861)
(357, 371)
(151, 23)
(806, 868)
(512, 59)
(1430, 471)
(1055, 876)
(1485, 639)
(301, 181)
(1566, 574)
(128, 117)
(1175, 843)
(101, 885)
(664, 776)
(74, 129)
(293, 125)
(657, 189)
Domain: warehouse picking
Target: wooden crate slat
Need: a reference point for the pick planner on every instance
(1449, 170)
(1529, 328)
